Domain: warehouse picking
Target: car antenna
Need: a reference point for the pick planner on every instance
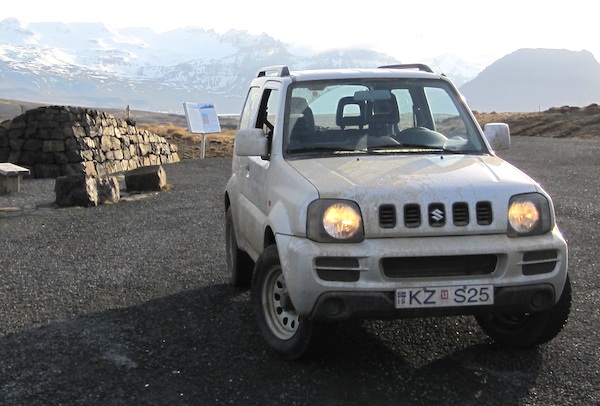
(439, 67)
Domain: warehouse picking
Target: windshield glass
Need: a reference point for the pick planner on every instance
(377, 117)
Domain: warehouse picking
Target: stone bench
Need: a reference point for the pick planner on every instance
(10, 177)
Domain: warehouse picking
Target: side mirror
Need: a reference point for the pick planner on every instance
(497, 135)
(251, 142)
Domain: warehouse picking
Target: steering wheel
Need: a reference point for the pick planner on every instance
(421, 136)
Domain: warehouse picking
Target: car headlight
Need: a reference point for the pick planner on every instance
(332, 220)
(528, 214)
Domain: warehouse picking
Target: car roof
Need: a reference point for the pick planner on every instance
(332, 74)
(392, 71)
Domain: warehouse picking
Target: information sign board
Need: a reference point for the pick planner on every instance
(201, 118)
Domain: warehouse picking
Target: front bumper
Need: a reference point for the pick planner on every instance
(341, 281)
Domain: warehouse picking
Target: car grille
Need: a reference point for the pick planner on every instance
(539, 262)
(412, 215)
(484, 213)
(436, 215)
(338, 269)
(387, 216)
(428, 267)
(347, 269)
(460, 214)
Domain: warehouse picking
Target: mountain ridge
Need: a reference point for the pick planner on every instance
(93, 64)
(96, 65)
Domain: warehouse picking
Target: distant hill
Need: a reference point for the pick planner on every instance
(556, 122)
(529, 80)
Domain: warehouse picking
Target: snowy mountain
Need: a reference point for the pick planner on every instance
(460, 69)
(95, 65)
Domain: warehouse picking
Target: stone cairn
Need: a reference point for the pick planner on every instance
(81, 148)
(60, 141)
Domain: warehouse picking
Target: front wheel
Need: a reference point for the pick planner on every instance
(284, 330)
(529, 329)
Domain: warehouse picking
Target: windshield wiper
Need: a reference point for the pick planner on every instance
(413, 148)
(316, 148)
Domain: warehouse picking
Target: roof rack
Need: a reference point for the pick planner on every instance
(419, 66)
(277, 70)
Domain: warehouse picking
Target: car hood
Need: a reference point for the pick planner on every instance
(423, 180)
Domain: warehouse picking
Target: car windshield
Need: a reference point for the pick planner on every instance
(378, 117)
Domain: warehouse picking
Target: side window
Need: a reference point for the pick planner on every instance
(251, 105)
(267, 115)
(445, 114)
(269, 108)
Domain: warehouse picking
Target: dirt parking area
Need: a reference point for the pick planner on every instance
(128, 303)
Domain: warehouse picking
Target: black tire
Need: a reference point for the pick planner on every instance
(239, 264)
(527, 330)
(284, 330)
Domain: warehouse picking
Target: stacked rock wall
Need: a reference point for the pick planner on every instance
(59, 141)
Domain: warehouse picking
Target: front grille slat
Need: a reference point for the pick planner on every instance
(544, 255)
(387, 216)
(336, 262)
(338, 269)
(539, 262)
(484, 213)
(412, 215)
(539, 268)
(460, 214)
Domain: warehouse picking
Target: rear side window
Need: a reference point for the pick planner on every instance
(248, 119)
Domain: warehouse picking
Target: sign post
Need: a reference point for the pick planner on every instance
(201, 119)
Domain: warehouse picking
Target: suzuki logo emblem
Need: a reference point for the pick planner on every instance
(437, 215)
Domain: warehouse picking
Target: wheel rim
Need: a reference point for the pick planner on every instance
(283, 323)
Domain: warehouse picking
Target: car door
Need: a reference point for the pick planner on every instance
(253, 176)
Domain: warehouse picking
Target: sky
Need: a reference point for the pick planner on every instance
(410, 31)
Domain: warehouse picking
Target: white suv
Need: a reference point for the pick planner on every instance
(374, 193)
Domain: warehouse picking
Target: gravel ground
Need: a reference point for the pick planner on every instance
(128, 303)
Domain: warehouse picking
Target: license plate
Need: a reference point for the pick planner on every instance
(445, 296)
